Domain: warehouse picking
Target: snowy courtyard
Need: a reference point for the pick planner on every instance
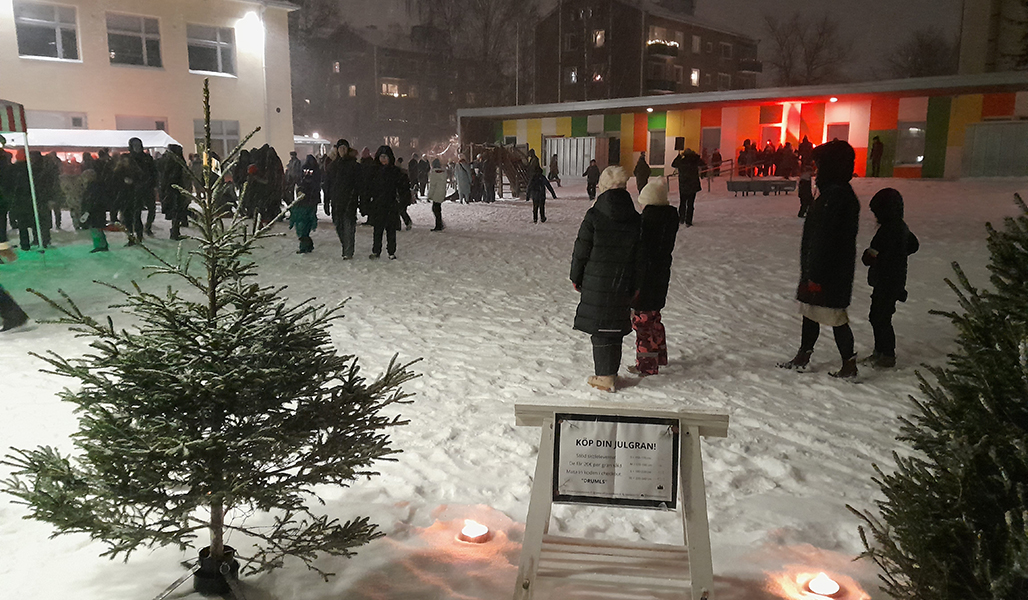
(487, 307)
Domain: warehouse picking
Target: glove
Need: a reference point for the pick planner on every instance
(813, 288)
(578, 287)
(869, 257)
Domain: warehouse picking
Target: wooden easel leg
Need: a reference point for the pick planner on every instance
(538, 520)
(694, 515)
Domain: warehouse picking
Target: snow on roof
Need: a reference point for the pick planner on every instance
(90, 138)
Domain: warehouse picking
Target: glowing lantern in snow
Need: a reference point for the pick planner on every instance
(473, 532)
(823, 585)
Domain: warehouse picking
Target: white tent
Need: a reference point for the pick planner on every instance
(91, 138)
(12, 123)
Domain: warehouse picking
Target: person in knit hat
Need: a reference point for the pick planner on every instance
(658, 230)
(603, 270)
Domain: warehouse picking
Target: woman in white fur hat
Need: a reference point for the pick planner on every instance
(603, 270)
(658, 230)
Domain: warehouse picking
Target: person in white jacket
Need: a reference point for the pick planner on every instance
(437, 192)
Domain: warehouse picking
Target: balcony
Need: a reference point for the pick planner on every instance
(662, 49)
(661, 86)
(750, 65)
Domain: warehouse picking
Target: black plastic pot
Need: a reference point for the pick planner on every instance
(212, 577)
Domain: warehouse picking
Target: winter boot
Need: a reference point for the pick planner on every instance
(871, 359)
(848, 370)
(798, 362)
(884, 362)
(602, 382)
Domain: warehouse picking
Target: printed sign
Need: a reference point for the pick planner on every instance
(631, 461)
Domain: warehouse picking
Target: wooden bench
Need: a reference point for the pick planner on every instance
(567, 568)
(764, 186)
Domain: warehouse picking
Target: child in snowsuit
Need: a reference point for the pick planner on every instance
(537, 194)
(658, 229)
(304, 213)
(886, 260)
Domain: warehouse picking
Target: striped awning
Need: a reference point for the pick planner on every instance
(12, 117)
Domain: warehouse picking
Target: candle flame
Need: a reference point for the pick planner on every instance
(823, 585)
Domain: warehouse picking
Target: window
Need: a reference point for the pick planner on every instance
(570, 42)
(337, 91)
(224, 136)
(211, 49)
(55, 119)
(726, 50)
(433, 94)
(655, 70)
(133, 40)
(695, 44)
(46, 31)
(656, 156)
(414, 143)
(707, 79)
(470, 97)
(353, 91)
(335, 67)
(390, 89)
(413, 91)
(680, 39)
(658, 33)
(391, 140)
(679, 73)
(839, 131)
(571, 75)
(910, 143)
(599, 38)
(694, 78)
(599, 72)
(146, 123)
(724, 81)
(710, 47)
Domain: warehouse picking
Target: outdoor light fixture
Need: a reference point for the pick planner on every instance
(649, 110)
(833, 99)
(315, 135)
(474, 532)
(824, 586)
(250, 32)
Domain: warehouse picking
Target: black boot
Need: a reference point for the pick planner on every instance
(848, 370)
(798, 362)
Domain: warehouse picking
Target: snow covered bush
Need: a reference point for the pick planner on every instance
(223, 398)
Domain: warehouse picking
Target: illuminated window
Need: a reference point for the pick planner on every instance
(392, 140)
(910, 143)
(46, 30)
(694, 78)
(211, 49)
(390, 89)
(571, 75)
(335, 67)
(353, 91)
(599, 38)
(133, 40)
(599, 73)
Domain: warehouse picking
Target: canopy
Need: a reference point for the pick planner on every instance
(91, 138)
(12, 117)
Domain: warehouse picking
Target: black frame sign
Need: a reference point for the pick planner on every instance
(621, 460)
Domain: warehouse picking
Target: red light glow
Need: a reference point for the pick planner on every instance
(805, 584)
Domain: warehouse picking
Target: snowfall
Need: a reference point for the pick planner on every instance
(487, 307)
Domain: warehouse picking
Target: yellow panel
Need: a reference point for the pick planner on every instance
(564, 126)
(963, 111)
(535, 136)
(674, 124)
(627, 139)
(691, 128)
(510, 128)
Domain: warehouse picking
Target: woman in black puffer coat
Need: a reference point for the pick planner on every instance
(659, 228)
(603, 270)
(828, 255)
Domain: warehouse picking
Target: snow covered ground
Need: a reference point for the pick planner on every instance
(488, 307)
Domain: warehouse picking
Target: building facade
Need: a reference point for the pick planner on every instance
(953, 126)
(140, 64)
(601, 49)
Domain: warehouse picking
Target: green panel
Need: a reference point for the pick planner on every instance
(936, 137)
(579, 126)
(612, 123)
(888, 137)
(656, 172)
(658, 121)
(498, 127)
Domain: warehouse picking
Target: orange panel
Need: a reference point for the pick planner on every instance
(812, 122)
(640, 131)
(907, 172)
(860, 166)
(884, 113)
(998, 105)
(710, 117)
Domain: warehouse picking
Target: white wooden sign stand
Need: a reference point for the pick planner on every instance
(614, 569)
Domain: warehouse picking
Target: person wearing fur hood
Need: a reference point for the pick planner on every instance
(603, 270)
(389, 191)
(658, 230)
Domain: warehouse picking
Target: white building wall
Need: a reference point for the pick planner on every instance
(257, 95)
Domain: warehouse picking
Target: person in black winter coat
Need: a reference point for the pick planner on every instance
(388, 189)
(828, 255)
(805, 190)
(344, 175)
(592, 178)
(603, 270)
(174, 174)
(688, 164)
(658, 229)
(537, 194)
(642, 172)
(886, 260)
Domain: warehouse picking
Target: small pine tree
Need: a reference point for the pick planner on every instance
(222, 398)
(954, 522)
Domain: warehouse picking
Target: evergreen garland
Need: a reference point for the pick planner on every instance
(954, 524)
(223, 398)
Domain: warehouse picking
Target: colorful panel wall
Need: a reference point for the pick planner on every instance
(936, 136)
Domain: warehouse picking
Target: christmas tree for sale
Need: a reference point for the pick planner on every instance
(221, 412)
(954, 522)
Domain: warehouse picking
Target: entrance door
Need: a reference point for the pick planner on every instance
(711, 140)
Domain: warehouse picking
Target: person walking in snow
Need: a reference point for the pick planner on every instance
(658, 229)
(688, 164)
(304, 213)
(828, 254)
(554, 171)
(388, 189)
(603, 270)
(537, 194)
(886, 259)
(642, 172)
(592, 178)
(174, 175)
(437, 192)
(877, 151)
(345, 192)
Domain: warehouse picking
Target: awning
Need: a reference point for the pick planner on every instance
(44, 139)
(12, 117)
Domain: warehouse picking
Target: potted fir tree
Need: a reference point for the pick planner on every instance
(222, 397)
